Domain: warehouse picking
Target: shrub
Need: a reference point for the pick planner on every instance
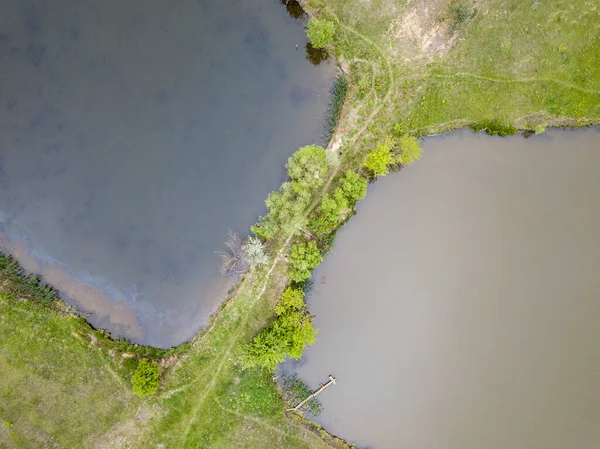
(320, 32)
(303, 258)
(145, 378)
(539, 129)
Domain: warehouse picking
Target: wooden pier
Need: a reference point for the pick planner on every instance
(331, 381)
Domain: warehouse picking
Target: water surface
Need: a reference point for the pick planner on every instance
(134, 134)
(461, 307)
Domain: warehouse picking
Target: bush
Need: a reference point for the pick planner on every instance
(320, 32)
(145, 378)
(303, 258)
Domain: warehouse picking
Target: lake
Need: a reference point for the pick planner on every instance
(461, 307)
(134, 135)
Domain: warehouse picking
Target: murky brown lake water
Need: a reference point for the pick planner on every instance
(462, 303)
(134, 134)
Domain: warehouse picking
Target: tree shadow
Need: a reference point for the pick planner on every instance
(294, 8)
(316, 55)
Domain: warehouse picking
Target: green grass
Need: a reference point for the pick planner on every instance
(515, 64)
(56, 388)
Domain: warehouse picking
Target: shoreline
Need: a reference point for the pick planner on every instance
(250, 304)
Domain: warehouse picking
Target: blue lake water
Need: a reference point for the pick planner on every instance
(134, 135)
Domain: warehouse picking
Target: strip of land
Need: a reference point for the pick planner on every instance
(416, 67)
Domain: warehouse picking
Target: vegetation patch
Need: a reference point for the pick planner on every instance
(286, 336)
(295, 391)
(460, 12)
(320, 32)
(338, 95)
(145, 378)
(494, 128)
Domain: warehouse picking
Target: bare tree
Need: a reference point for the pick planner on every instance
(232, 257)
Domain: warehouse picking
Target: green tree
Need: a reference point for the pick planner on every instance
(303, 258)
(145, 378)
(333, 207)
(287, 207)
(291, 299)
(354, 186)
(307, 167)
(410, 150)
(286, 212)
(286, 336)
(320, 32)
(266, 350)
(328, 216)
(379, 160)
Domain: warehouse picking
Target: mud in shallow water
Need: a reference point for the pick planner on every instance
(461, 307)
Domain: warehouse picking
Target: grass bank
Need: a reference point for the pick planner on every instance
(415, 67)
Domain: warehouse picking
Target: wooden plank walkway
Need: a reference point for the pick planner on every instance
(331, 381)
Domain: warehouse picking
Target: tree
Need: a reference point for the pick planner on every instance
(320, 32)
(232, 258)
(379, 160)
(286, 214)
(307, 167)
(291, 299)
(333, 207)
(354, 186)
(145, 378)
(303, 258)
(267, 349)
(286, 336)
(410, 150)
(254, 252)
(328, 216)
(287, 207)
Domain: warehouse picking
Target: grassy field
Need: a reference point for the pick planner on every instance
(419, 66)
(57, 388)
